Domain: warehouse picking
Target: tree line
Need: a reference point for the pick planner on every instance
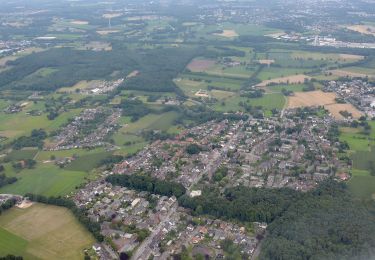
(142, 182)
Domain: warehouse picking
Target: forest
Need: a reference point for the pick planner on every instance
(324, 224)
(61, 67)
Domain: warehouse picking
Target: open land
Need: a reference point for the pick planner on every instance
(42, 232)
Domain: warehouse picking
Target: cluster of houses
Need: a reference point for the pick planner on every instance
(102, 87)
(171, 159)
(124, 215)
(206, 236)
(359, 93)
(89, 129)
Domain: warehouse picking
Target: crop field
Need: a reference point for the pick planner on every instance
(43, 232)
(362, 73)
(291, 87)
(294, 79)
(357, 142)
(227, 33)
(46, 179)
(311, 98)
(335, 109)
(200, 65)
(22, 154)
(364, 29)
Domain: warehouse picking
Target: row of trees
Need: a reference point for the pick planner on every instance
(147, 183)
(80, 214)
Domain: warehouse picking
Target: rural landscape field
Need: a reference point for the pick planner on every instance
(187, 129)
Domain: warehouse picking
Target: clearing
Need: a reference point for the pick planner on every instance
(43, 232)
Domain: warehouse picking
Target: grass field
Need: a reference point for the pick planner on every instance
(15, 125)
(46, 179)
(22, 154)
(43, 232)
(87, 162)
(363, 186)
(268, 102)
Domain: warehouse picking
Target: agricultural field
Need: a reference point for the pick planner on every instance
(45, 179)
(319, 98)
(43, 232)
(294, 79)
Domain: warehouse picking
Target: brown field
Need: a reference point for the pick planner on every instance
(79, 22)
(133, 74)
(106, 32)
(351, 57)
(320, 98)
(198, 65)
(96, 45)
(364, 29)
(266, 62)
(344, 73)
(312, 98)
(295, 79)
(336, 108)
(227, 33)
(114, 15)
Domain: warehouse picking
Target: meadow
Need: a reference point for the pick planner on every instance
(43, 232)
(45, 179)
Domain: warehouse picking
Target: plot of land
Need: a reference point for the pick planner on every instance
(79, 22)
(351, 74)
(227, 33)
(106, 32)
(295, 79)
(266, 62)
(312, 98)
(364, 29)
(43, 232)
(336, 108)
(320, 98)
(200, 65)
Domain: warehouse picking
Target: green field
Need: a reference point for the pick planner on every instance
(43, 232)
(22, 154)
(87, 162)
(268, 102)
(46, 179)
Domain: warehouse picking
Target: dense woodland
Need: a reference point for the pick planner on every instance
(324, 224)
(61, 67)
(147, 183)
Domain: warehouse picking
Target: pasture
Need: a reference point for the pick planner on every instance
(43, 232)
(45, 179)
